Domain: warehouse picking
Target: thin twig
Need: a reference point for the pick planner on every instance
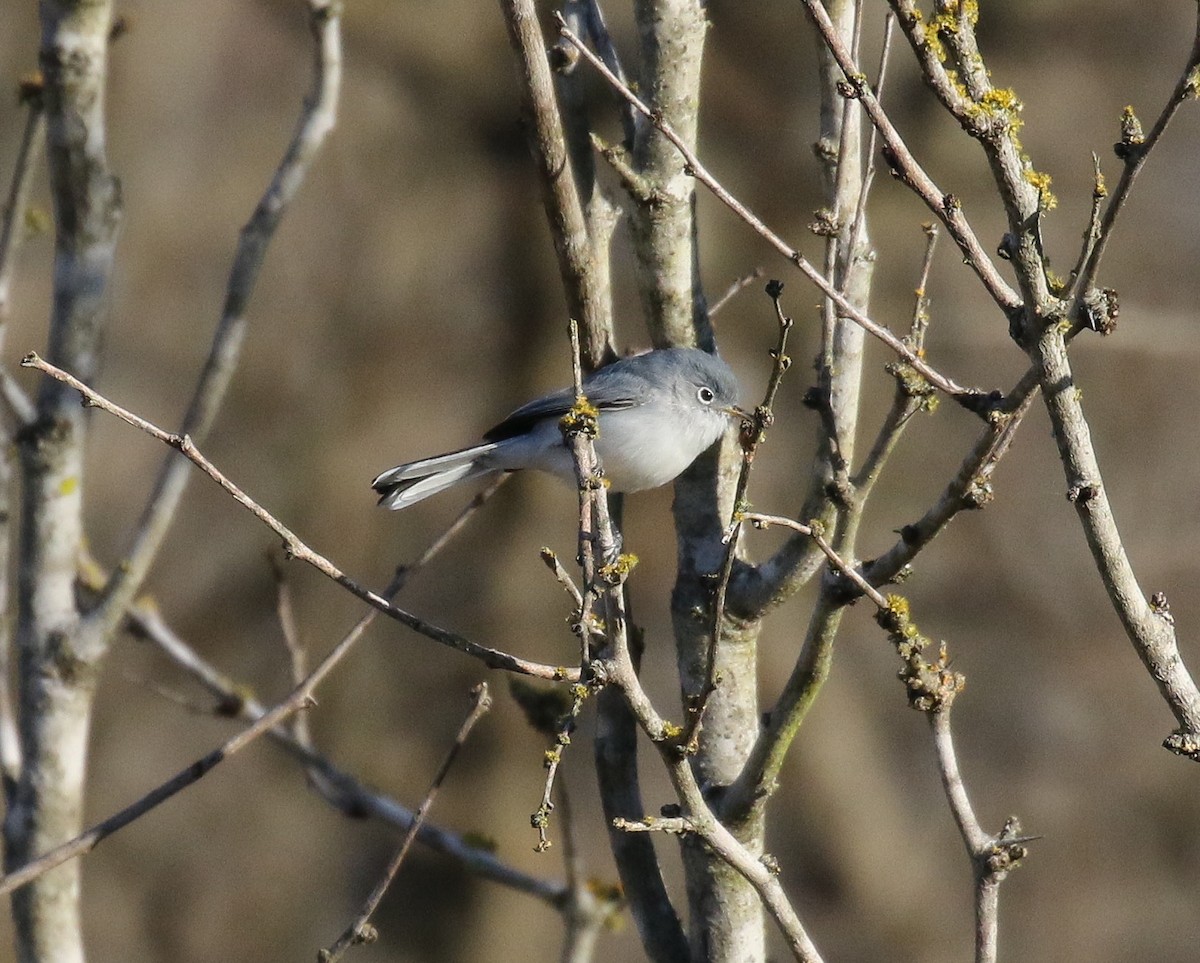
(969, 489)
(338, 787)
(814, 532)
(359, 931)
(587, 294)
(146, 621)
(1092, 233)
(493, 658)
(12, 221)
(316, 120)
(540, 820)
(1135, 155)
(860, 210)
(297, 658)
(734, 290)
(563, 577)
(753, 435)
(965, 396)
(911, 395)
(85, 842)
(942, 205)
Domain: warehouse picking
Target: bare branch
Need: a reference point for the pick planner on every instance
(754, 433)
(967, 397)
(1133, 149)
(316, 120)
(353, 797)
(1092, 234)
(493, 658)
(616, 668)
(1149, 626)
(338, 787)
(912, 394)
(578, 256)
(944, 206)
(297, 657)
(616, 747)
(300, 697)
(969, 489)
(540, 820)
(814, 532)
(733, 290)
(991, 116)
(359, 931)
(32, 137)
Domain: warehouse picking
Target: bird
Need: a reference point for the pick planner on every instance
(657, 412)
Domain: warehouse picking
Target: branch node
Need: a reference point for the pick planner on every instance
(1082, 492)
(1006, 851)
(1099, 309)
(1132, 144)
(932, 685)
(1161, 607)
(1184, 743)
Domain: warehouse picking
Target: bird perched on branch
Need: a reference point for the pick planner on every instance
(657, 412)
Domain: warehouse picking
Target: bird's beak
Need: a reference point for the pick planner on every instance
(735, 412)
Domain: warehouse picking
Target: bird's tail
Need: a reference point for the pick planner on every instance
(406, 485)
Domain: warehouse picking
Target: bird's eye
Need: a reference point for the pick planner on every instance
(705, 394)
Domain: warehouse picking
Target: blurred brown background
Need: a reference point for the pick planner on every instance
(410, 299)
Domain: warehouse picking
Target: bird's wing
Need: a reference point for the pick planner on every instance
(605, 395)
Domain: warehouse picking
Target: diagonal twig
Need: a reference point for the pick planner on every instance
(316, 120)
(33, 136)
(85, 842)
(359, 930)
(493, 658)
(734, 290)
(967, 397)
(337, 786)
(1134, 154)
(578, 259)
(753, 435)
(942, 205)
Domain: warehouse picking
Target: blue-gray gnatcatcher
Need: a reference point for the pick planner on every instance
(658, 412)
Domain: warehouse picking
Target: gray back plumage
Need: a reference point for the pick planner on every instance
(625, 384)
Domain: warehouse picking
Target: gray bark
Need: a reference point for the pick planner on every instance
(56, 665)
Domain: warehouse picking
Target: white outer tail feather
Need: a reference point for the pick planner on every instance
(408, 484)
